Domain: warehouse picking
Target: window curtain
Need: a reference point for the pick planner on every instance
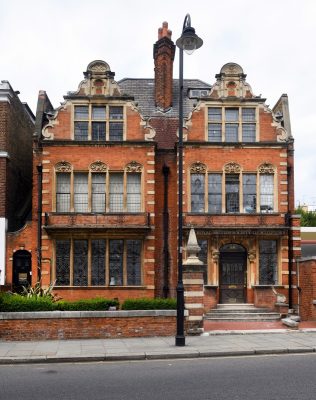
(81, 192)
(133, 192)
(116, 192)
(63, 192)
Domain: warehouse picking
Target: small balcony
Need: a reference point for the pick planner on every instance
(103, 222)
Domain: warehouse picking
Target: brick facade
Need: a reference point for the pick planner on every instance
(307, 285)
(262, 148)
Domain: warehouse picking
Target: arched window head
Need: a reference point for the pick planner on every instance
(198, 168)
(232, 168)
(98, 166)
(63, 166)
(133, 166)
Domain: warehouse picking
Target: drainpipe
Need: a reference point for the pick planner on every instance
(39, 221)
(165, 171)
(290, 241)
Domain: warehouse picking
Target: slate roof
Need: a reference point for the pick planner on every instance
(143, 91)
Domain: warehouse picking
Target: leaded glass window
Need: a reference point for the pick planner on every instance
(81, 122)
(215, 132)
(81, 192)
(133, 263)
(198, 193)
(248, 114)
(266, 192)
(99, 122)
(232, 193)
(98, 113)
(116, 131)
(237, 121)
(62, 262)
(116, 192)
(215, 193)
(231, 114)
(249, 192)
(231, 132)
(248, 133)
(81, 112)
(98, 262)
(98, 130)
(116, 262)
(120, 265)
(98, 199)
(63, 192)
(268, 262)
(80, 264)
(202, 255)
(81, 130)
(133, 192)
(116, 128)
(215, 114)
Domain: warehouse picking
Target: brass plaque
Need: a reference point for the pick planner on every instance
(22, 277)
(232, 287)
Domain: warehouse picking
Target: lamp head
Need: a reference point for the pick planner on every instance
(189, 40)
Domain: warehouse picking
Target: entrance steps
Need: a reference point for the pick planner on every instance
(241, 312)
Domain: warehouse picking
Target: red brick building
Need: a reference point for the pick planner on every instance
(16, 130)
(105, 187)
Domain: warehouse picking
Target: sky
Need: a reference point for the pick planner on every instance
(47, 44)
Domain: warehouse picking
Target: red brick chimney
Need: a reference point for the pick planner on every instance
(164, 50)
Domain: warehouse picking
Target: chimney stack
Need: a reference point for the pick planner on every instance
(164, 51)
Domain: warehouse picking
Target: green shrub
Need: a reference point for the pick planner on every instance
(16, 303)
(13, 303)
(96, 304)
(149, 304)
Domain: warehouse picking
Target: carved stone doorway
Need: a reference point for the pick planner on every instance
(232, 274)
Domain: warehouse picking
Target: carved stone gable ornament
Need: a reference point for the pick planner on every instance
(98, 66)
(98, 166)
(266, 168)
(133, 166)
(63, 166)
(232, 168)
(198, 168)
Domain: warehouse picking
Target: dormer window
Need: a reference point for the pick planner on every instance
(99, 123)
(196, 93)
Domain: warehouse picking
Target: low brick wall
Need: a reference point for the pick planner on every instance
(307, 283)
(86, 324)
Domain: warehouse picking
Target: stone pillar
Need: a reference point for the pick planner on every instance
(193, 287)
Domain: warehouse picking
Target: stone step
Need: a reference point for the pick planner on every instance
(234, 306)
(243, 317)
(241, 310)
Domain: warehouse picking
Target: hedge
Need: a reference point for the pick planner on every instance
(10, 303)
(97, 304)
(16, 303)
(150, 304)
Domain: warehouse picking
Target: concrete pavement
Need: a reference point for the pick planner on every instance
(212, 344)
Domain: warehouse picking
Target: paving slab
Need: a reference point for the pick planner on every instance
(237, 344)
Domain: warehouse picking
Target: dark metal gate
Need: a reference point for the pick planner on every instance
(233, 274)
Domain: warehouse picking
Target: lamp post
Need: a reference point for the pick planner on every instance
(188, 42)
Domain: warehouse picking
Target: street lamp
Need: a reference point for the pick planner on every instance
(188, 42)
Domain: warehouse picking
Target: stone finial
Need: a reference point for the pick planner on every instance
(192, 250)
(164, 31)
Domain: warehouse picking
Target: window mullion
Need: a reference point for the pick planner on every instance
(72, 191)
(89, 261)
(125, 191)
(124, 263)
(71, 278)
